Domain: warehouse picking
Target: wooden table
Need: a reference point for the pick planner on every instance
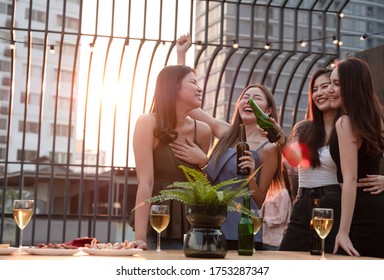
(179, 255)
(170, 265)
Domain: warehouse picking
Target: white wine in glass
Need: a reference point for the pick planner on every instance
(159, 219)
(322, 222)
(257, 219)
(22, 213)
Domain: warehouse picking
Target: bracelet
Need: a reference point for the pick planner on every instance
(204, 166)
(285, 142)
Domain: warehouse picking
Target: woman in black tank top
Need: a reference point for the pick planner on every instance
(357, 152)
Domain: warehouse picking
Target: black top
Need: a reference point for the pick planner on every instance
(367, 164)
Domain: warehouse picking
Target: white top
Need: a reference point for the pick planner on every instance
(323, 175)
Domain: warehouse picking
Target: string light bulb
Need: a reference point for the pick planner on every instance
(303, 43)
(334, 40)
(91, 46)
(52, 49)
(267, 46)
(235, 44)
(12, 45)
(363, 37)
(199, 45)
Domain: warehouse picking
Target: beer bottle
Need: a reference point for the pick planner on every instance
(314, 239)
(241, 147)
(245, 230)
(264, 122)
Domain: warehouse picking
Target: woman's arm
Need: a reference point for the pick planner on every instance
(269, 158)
(218, 127)
(182, 45)
(348, 145)
(143, 143)
(291, 151)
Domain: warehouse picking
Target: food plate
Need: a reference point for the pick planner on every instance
(111, 252)
(50, 251)
(7, 251)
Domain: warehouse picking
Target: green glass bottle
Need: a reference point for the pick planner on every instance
(264, 122)
(245, 230)
(241, 147)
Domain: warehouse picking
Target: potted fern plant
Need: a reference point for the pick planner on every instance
(206, 207)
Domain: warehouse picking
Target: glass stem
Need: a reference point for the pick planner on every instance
(322, 249)
(21, 238)
(158, 242)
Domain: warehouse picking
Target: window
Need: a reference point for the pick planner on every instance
(31, 127)
(37, 43)
(33, 98)
(6, 81)
(36, 15)
(3, 124)
(3, 153)
(4, 110)
(5, 66)
(61, 130)
(71, 23)
(6, 9)
(3, 139)
(26, 155)
(7, 52)
(64, 102)
(59, 157)
(4, 95)
(65, 76)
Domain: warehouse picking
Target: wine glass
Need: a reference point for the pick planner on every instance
(159, 219)
(22, 213)
(257, 219)
(322, 223)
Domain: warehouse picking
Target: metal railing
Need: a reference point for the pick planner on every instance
(75, 75)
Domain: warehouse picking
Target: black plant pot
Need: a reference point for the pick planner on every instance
(205, 239)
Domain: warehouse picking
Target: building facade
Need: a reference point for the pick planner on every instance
(277, 45)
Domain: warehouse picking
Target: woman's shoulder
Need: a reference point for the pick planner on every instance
(270, 148)
(344, 122)
(203, 127)
(147, 118)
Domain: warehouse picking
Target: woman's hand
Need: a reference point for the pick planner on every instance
(345, 242)
(248, 161)
(372, 183)
(189, 152)
(140, 244)
(182, 45)
(283, 139)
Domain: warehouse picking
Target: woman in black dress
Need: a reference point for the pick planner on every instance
(357, 150)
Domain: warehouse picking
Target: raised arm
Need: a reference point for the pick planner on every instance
(218, 127)
(182, 45)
